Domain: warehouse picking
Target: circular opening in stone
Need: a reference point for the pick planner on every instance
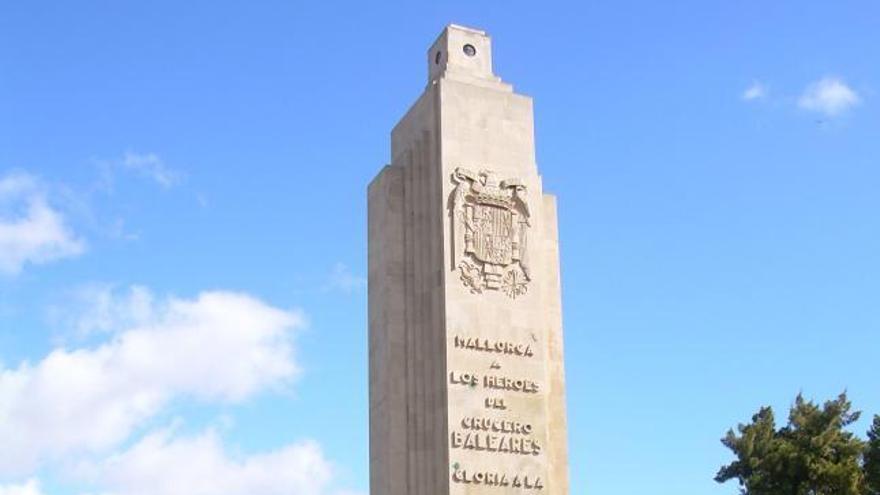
(469, 50)
(438, 57)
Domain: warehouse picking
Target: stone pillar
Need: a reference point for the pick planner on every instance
(467, 387)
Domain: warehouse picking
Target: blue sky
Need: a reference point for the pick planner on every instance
(182, 229)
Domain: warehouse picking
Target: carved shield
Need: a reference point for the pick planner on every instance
(493, 234)
(490, 222)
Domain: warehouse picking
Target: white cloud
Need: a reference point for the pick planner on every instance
(342, 279)
(160, 464)
(756, 91)
(101, 308)
(830, 96)
(221, 346)
(31, 230)
(30, 487)
(153, 167)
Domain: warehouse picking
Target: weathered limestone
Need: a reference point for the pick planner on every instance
(467, 387)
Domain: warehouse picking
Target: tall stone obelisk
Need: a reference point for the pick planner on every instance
(467, 387)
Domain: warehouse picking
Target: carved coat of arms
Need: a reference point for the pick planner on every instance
(490, 221)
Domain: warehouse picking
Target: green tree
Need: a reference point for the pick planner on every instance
(812, 455)
(872, 459)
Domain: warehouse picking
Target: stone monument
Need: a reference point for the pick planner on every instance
(467, 386)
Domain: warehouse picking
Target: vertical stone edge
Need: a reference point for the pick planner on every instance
(408, 242)
(439, 263)
(415, 157)
(386, 328)
(557, 422)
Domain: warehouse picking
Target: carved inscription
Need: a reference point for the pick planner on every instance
(495, 435)
(499, 430)
(493, 478)
(490, 231)
(468, 379)
(512, 384)
(495, 443)
(496, 425)
(495, 382)
(489, 345)
(495, 403)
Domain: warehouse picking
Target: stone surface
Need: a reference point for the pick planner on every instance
(467, 387)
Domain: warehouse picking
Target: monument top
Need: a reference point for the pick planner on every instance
(462, 53)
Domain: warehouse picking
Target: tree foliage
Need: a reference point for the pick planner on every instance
(872, 459)
(813, 454)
